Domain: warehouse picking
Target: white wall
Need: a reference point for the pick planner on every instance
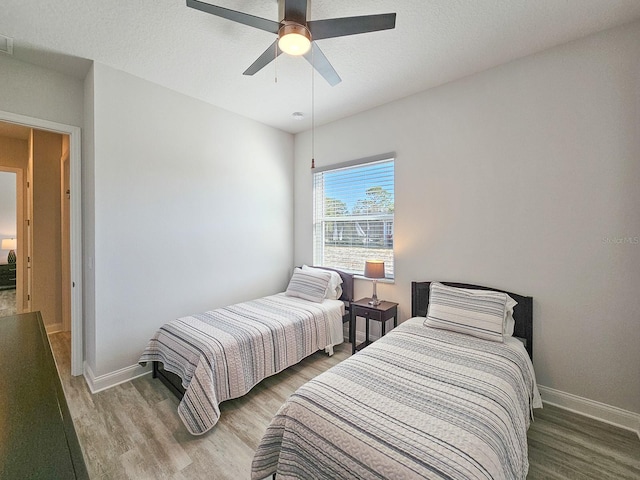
(515, 178)
(163, 177)
(40, 93)
(193, 210)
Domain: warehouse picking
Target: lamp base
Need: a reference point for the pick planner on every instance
(11, 258)
(374, 297)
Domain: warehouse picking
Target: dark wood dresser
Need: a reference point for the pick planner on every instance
(7, 275)
(37, 437)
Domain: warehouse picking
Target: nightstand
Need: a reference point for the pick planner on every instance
(380, 313)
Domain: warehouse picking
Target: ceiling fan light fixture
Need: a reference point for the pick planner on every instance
(294, 39)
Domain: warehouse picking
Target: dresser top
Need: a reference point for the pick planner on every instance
(36, 440)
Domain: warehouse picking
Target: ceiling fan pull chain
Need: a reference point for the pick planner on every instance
(275, 63)
(313, 114)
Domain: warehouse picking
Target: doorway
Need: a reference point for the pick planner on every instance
(68, 191)
(43, 242)
(12, 265)
(8, 241)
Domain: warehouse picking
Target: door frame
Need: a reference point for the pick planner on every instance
(65, 210)
(75, 217)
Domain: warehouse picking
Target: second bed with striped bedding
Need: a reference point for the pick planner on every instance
(418, 403)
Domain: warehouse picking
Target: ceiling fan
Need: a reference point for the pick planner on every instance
(297, 34)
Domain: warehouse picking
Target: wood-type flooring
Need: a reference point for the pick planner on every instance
(132, 431)
(7, 302)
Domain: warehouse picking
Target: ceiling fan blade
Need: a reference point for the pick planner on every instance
(263, 60)
(244, 18)
(295, 11)
(316, 58)
(340, 27)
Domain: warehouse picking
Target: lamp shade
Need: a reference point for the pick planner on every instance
(9, 244)
(374, 269)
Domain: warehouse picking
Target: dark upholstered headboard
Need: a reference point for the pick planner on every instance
(522, 313)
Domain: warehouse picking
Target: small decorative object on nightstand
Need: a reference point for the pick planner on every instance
(381, 313)
(10, 244)
(374, 269)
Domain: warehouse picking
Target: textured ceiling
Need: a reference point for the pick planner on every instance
(434, 42)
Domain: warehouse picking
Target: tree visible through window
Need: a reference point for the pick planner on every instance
(353, 216)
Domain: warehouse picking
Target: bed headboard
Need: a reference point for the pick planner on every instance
(522, 313)
(347, 283)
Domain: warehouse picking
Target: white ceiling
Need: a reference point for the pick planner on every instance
(434, 42)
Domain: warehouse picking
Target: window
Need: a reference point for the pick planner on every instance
(353, 216)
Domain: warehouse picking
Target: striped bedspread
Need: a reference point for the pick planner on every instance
(418, 403)
(222, 354)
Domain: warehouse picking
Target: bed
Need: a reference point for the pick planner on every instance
(207, 358)
(420, 402)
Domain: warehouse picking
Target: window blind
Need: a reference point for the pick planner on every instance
(353, 216)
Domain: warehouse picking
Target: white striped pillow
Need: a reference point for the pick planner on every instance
(309, 284)
(481, 313)
(334, 292)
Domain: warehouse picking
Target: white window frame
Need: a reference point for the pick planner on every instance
(351, 256)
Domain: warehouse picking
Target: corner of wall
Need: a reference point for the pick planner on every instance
(88, 222)
(103, 382)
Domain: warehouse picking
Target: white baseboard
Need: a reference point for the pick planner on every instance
(592, 409)
(108, 380)
(53, 328)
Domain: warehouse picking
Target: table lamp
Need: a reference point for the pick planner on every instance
(374, 269)
(10, 244)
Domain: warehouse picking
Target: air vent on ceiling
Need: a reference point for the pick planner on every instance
(6, 45)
